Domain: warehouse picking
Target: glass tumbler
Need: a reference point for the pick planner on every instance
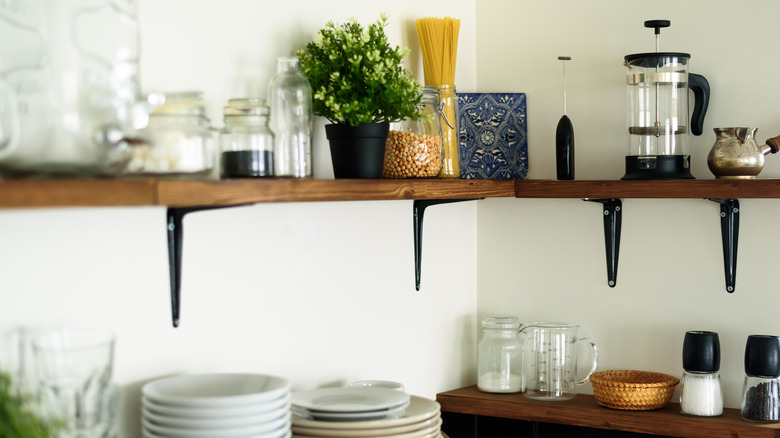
(74, 373)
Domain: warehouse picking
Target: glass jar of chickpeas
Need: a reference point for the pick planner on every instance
(414, 147)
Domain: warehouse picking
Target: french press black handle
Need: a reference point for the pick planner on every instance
(701, 93)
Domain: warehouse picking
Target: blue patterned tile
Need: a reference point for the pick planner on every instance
(493, 135)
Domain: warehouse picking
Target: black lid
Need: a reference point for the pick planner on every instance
(653, 59)
(762, 356)
(701, 351)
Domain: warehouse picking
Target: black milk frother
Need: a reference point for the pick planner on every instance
(564, 137)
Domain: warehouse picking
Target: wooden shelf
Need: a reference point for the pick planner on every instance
(700, 188)
(583, 411)
(184, 193)
(34, 193)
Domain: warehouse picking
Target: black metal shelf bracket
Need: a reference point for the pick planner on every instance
(613, 217)
(418, 208)
(729, 231)
(175, 228)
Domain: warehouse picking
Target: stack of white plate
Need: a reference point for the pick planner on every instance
(331, 412)
(217, 405)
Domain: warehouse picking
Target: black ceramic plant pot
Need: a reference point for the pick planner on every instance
(357, 151)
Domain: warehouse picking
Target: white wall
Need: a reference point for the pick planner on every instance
(319, 293)
(544, 259)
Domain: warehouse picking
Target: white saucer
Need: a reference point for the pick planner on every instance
(361, 399)
(424, 428)
(419, 409)
(394, 412)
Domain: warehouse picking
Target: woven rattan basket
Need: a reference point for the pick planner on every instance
(633, 390)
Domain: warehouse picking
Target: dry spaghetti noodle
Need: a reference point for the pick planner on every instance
(439, 44)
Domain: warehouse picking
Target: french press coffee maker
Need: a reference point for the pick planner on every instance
(658, 123)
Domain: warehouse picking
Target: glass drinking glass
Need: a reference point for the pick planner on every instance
(74, 373)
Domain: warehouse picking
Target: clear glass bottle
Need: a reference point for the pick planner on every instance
(701, 394)
(246, 143)
(289, 95)
(414, 147)
(761, 389)
(450, 132)
(500, 355)
(178, 141)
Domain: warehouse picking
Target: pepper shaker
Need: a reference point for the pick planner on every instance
(761, 390)
(701, 393)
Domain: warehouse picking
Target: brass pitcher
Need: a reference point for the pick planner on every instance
(736, 155)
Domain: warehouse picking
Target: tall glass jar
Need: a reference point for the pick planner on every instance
(450, 131)
(500, 355)
(414, 147)
(178, 141)
(291, 119)
(246, 143)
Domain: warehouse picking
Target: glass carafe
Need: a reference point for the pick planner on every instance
(69, 86)
(658, 121)
(550, 362)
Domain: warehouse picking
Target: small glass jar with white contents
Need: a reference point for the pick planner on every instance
(500, 355)
(178, 141)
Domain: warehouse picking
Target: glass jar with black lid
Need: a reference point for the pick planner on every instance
(246, 143)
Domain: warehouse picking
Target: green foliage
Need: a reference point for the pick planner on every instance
(357, 77)
(17, 420)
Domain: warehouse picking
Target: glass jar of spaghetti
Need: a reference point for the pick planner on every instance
(414, 147)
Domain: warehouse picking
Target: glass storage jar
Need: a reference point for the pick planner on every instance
(500, 355)
(761, 389)
(414, 147)
(246, 143)
(178, 141)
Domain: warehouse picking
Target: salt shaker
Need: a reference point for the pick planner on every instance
(761, 390)
(701, 393)
(500, 355)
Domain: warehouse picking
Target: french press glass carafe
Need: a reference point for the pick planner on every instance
(658, 123)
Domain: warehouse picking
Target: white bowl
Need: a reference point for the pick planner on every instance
(277, 405)
(214, 422)
(215, 390)
(270, 429)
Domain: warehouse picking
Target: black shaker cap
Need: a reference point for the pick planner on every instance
(701, 351)
(762, 356)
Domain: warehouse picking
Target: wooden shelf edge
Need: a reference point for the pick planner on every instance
(32, 193)
(185, 193)
(715, 188)
(584, 411)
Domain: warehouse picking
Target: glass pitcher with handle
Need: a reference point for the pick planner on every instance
(70, 99)
(550, 360)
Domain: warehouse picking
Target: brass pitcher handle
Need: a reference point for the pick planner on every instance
(595, 359)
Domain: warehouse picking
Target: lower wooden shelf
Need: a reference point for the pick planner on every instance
(584, 411)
